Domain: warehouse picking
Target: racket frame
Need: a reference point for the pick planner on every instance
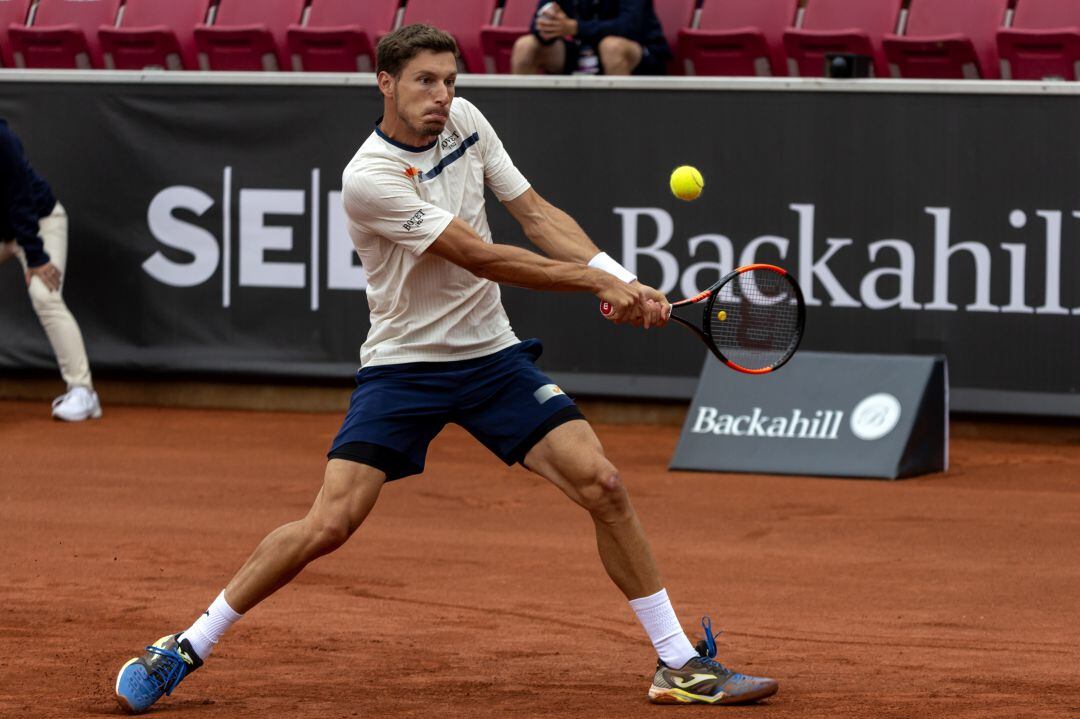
(704, 331)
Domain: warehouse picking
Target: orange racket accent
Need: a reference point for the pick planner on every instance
(744, 370)
(762, 266)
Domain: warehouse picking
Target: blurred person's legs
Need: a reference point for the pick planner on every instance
(619, 56)
(80, 402)
(530, 56)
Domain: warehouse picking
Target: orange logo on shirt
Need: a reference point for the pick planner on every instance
(412, 172)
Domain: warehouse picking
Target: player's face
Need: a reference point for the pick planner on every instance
(424, 91)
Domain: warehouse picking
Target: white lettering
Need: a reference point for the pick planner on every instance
(173, 232)
(757, 426)
(943, 251)
(341, 273)
(256, 238)
(690, 285)
(905, 275)
(1017, 269)
(808, 269)
(706, 420)
(664, 229)
(1052, 305)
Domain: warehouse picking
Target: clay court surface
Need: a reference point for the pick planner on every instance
(475, 590)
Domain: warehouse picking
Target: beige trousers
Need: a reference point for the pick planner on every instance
(60, 327)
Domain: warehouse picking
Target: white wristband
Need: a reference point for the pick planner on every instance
(604, 262)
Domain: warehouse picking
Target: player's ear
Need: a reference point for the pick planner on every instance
(387, 83)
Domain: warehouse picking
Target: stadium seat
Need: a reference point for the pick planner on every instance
(840, 26)
(461, 18)
(64, 34)
(1043, 42)
(248, 35)
(674, 16)
(498, 40)
(13, 12)
(738, 37)
(948, 39)
(340, 35)
(154, 34)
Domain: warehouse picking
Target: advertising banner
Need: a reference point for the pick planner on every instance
(843, 415)
(207, 233)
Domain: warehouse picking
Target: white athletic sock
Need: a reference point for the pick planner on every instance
(210, 625)
(656, 615)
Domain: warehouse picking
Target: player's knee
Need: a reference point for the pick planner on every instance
(327, 535)
(605, 495)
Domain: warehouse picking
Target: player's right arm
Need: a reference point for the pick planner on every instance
(510, 265)
(385, 201)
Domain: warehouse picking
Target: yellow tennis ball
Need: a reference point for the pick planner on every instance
(721, 315)
(686, 183)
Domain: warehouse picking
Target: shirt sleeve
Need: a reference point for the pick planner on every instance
(500, 174)
(19, 203)
(388, 204)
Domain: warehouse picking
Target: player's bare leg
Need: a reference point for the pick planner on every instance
(572, 458)
(348, 493)
(529, 56)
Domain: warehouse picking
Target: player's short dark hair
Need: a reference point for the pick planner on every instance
(396, 49)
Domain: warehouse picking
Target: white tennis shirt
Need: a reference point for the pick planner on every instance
(398, 200)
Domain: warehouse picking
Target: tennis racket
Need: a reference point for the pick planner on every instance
(752, 319)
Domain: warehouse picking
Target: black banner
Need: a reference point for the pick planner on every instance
(207, 233)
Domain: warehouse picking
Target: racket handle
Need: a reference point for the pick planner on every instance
(605, 308)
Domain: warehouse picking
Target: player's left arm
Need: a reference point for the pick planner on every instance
(556, 233)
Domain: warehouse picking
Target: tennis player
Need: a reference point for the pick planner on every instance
(441, 350)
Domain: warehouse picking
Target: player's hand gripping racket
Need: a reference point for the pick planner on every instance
(752, 319)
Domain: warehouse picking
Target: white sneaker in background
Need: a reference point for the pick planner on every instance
(78, 404)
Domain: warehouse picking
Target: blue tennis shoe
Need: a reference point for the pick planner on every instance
(143, 680)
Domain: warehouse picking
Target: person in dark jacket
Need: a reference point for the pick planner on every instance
(615, 37)
(33, 228)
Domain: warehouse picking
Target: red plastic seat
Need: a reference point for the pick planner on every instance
(461, 18)
(948, 39)
(64, 34)
(840, 26)
(11, 13)
(340, 35)
(154, 34)
(739, 37)
(674, 16)
(248, 35)
(498, 40)
(1043, 42)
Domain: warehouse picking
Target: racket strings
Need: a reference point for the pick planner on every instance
(756, 324)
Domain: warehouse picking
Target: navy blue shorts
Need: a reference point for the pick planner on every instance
(502, 399)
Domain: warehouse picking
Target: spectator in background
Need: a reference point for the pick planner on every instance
(33, 227)
(616, 37)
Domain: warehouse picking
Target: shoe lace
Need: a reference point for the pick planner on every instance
(706, 648)
(169, 672)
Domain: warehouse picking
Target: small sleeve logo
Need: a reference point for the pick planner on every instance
(415, 221)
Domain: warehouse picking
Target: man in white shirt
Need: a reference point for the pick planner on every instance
(441, 350)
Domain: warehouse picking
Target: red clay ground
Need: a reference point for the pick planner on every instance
(474, 591)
